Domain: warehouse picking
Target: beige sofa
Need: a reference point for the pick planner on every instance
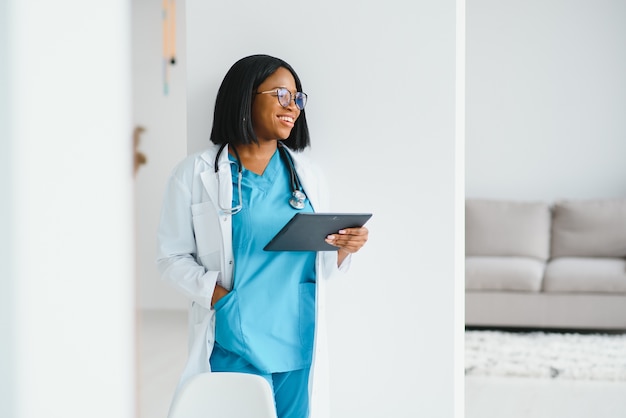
(543, 265)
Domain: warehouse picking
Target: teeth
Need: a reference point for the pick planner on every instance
(286, 118)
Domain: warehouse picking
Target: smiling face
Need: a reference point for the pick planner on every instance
(270, 120)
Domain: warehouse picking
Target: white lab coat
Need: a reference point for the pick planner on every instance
(195, 253)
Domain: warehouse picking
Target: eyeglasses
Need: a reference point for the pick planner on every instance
(285, 97)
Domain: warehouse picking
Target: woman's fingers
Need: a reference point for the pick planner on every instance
(350, 240)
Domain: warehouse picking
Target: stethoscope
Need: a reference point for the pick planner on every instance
(297, 199)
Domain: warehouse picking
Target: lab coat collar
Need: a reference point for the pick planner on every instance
(217, 185)
(307, 178)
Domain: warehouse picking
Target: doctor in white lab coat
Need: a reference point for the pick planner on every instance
(195, 252)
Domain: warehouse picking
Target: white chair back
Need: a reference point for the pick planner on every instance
(224, 395)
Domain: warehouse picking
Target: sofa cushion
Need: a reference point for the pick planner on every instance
(507, 228)
(589, 228)
(503, 273)
(585, 275)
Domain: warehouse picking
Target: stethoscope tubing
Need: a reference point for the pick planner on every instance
(297, 198)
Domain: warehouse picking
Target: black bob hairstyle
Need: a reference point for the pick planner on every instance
(232, 117)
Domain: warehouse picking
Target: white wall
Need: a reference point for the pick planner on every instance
(381, 82)
(546, 99)
(164, 142)
(7, 292)
(66, 261)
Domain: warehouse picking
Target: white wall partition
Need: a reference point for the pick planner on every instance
(164, 141)
(381, 82)
(8, 376)
(546, 99)
(66, 241)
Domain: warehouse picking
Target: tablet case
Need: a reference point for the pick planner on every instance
(307, 231)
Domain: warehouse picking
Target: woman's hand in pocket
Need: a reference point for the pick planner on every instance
(218, 293)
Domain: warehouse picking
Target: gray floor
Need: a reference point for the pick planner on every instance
(163, 347)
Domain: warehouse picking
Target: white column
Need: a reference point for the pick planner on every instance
(67, 290)
(459, 215)
(7, 325)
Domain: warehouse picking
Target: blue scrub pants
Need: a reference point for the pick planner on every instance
(291, 389)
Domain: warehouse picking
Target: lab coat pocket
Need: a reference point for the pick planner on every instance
(307, 315)
(206, 228)
(228, 324)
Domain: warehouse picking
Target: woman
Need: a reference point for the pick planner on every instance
(253, 311)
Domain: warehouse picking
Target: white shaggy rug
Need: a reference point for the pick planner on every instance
(546, 355)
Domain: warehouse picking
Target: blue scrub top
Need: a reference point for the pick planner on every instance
(269, 317)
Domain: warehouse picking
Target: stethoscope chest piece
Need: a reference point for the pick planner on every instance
(297, 199)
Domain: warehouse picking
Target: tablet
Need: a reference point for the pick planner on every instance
(308, 231)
